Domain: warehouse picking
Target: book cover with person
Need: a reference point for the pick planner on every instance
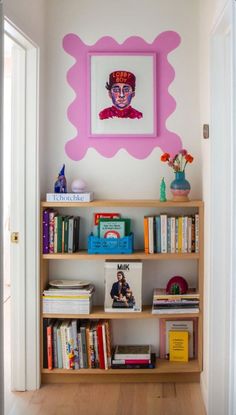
(123, 286)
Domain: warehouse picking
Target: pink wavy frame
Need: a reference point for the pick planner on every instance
(139, 147)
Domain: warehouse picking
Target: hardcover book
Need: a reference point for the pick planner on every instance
(111, 228)
(132, 351)
(70, 197)
(123, 286)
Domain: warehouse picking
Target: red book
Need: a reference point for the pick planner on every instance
(105, 215)
(49, 346)
(100, 346)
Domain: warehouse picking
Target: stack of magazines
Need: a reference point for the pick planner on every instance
(68, 297)
(133, 357)
(164, 303)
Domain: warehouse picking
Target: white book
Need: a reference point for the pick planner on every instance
(150, 235)
(196, 232)
(172, 235)
(181, 325)
(175, 310)
(63, 329)
(70, 197)
(123, 286)
(185, 234)
(189, 234)
(163, 234)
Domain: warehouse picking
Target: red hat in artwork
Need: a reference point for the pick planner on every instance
(124, 77)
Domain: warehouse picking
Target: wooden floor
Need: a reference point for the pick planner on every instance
(115, 399)
(101, 399)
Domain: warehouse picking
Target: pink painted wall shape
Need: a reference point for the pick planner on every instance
(88, 76)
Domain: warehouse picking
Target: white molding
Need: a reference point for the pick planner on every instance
(222, 207)
(232, 286)
(26, 372)
(1, 225)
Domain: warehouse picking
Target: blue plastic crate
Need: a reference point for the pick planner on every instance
(111, 245)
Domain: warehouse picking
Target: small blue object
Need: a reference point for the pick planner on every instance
(111, 245)
(60, 185)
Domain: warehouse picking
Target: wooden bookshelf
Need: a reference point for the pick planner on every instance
(165, 371)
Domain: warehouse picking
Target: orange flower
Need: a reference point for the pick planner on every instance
(189, 158)
(165, 157)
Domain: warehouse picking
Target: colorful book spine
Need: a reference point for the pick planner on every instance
(163, 233)
(49, 346)
(158, 234)
(196, 232)
(100, 346)
(51, 231)
(146, 244)
(45, 231)
(59, 233)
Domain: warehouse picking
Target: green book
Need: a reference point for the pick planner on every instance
(114, 228)
(59, 234)
(66, 229)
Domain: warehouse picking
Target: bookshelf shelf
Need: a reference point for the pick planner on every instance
(136, 255)
(165, 370)
(99, 313)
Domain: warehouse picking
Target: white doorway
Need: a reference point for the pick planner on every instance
(21, 212)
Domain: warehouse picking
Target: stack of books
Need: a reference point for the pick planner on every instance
(68, 300)
(133, 357)
(164, 303)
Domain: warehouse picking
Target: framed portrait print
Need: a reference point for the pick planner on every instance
(122, 94)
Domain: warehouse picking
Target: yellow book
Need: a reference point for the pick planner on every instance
(180, 225)
(178, 346)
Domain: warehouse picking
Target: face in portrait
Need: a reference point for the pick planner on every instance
(121, 90)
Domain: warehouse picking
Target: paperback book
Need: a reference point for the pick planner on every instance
(70, 197)
(123, 286)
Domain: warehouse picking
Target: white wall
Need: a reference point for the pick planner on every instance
(146, 19)
(123, 176)
(30, 18)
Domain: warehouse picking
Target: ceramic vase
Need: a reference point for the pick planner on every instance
(180, 187)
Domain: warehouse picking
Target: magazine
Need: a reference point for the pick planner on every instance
(123, 286)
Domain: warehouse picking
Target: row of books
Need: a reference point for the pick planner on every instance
(163, 233)
(76, 344)
(68, 301)
(185, 331)
(164, 303)
(60, 233)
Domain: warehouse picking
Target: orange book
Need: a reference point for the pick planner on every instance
(146, 235)
(49, 346)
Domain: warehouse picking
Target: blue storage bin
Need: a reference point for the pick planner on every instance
(111, 245)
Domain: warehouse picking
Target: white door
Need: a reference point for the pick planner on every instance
(24, 215)
(222, 333)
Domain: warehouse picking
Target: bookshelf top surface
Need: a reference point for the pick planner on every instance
(126, 203)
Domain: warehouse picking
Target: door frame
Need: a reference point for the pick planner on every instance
(25, 337)
(222, 296)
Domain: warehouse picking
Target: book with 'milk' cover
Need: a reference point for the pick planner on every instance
(123, 286)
